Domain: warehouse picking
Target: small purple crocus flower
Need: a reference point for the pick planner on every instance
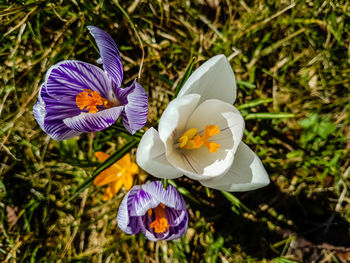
(160, 214)
(79, 97)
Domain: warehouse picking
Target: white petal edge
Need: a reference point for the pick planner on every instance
(39, 110)
(212, 80)
(246, 173)
(123, 214)
(199, 164)
(150, 156)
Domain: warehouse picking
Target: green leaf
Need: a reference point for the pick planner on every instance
(254, 103)
(268, 115)
(325, 129)
(235, 202)
(185, 77)
(245, 84)
(111, 160)
(310, 121)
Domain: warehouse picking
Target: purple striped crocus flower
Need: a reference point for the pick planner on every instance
(160, 214)
(79, 97)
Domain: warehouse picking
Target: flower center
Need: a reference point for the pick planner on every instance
(91, 99)
(192, 140)
(160, 224)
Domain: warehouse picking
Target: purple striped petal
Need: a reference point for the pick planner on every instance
(179, 230)
(135, 100)
(126, 223)
(109, 53)
(49, 113)
(133, 216)
(169, 197)
(175, 217)
(70, 77)
(140, 201)
(91, 122)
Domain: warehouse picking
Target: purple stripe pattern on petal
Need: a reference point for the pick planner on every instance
(109, 52)
(88, 122)
(135, 100)
(70, 77)
(56, 110)
(133, 215)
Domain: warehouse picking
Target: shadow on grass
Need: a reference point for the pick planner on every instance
(307, 217)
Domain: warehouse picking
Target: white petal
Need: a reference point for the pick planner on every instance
(212, 80)
(246, 173)
(150, 156)
(201, 164)
(173, 121)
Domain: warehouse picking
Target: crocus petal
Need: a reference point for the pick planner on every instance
(112, 189)
(101, 156)
(150, 156)
(91, 122)
(39, 109)
(124, 162)
(135, 100)
(109, 53)
(200, 164)
(212, 80)
(70, 77)
(49, 113)
(175, 217)
(173, 121)
(180, 229)
(108, 175)
(140, 201)
(128, 181)
(247, 173)
(124, 223)
(170, 197)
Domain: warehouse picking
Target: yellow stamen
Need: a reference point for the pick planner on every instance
(91, 99)
(191, 140)
(119, 174)
(160, 224)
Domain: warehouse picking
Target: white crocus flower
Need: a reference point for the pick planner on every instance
(200, 135)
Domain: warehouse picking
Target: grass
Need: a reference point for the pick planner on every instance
(291, 60)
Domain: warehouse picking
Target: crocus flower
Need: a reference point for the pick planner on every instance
(160, 214)
(117, 175)
(200, 135)
(79, 97)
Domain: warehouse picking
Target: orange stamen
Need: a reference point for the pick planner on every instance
(160, 224)
(91, 99)
(191, 140)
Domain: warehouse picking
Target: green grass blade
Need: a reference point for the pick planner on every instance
(268, 115)
(235, 201)
(185, 77)
(254, 103)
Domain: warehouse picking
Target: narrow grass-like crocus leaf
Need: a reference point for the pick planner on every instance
(268, 115)
(246, 84)
(254, 103)
(165, 183)
(185, 77)
(235, 201)
(111, 160)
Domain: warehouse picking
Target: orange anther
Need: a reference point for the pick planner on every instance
(91, 99)
(191, 140)
(160, 224)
